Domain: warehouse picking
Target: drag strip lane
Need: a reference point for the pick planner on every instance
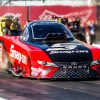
(78, 87)
(32, 89)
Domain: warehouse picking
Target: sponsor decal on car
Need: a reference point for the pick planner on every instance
(17, 55)
(65, 48)
(77, 51)
(36, 71)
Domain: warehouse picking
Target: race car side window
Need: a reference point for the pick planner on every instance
(25, 35)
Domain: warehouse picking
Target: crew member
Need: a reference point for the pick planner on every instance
(15, 24)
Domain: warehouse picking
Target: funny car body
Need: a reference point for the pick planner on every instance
(47, 49)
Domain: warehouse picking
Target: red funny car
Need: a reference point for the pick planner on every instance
(47, 49)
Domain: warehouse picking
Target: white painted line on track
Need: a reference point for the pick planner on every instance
(3, 98)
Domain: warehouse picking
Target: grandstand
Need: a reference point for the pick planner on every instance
(48, 2)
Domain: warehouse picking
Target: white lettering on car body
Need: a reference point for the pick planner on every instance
(36, 71)
(17, 55)
(69, 52)
(65, 48)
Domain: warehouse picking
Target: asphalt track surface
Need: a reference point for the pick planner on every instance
(12, 88)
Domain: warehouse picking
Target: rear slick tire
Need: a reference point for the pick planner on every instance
(4, 57)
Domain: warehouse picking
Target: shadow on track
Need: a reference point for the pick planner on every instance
(66, 80)
(3, 73)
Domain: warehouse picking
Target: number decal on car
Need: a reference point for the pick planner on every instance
(62, 46)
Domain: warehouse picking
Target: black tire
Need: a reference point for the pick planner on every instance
(6, 62)
(6, 66)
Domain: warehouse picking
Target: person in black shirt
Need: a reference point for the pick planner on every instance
(74, 26)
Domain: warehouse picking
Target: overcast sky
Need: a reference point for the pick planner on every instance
(47, 2)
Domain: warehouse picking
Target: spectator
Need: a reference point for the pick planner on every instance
(82, 32)
(87, 36)
(77, 27)
(92, 32)
(74, 26)
(54, 18)
(27, 22)
(97, 30)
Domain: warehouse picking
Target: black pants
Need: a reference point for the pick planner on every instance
(80, 36)
(92, 36)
